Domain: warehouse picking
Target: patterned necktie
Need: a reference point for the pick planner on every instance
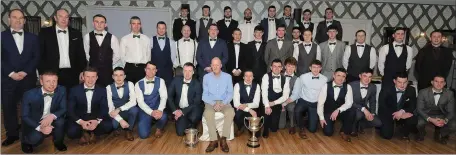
(14, 32)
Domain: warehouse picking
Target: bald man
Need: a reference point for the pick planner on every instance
(247, 27)
(186, 48)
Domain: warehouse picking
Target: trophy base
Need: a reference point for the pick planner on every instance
(253, 145)
(190, 145)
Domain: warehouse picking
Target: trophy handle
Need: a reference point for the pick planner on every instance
(245, 118)
(197, 136)
(262, 118)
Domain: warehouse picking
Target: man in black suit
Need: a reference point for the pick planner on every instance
(227, 25)
(20, 58)
(62, 51)
(322, 27)
(305, 23)
(239, 57)
(396, 105)
(180, 22)
(184, 100)
(257, 47)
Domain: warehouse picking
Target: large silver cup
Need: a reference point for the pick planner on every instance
(191, 137)
(254, 126)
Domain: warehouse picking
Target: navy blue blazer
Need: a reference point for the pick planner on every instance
(204, 52)
(12, 61)
(33, 105)
(265, 25)
(194, 94)
(77, 103)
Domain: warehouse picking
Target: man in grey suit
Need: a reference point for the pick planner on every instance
(278, 48)
(332, 52)
(288, 21)
(290, 68)
(364, 103)
(435, 105)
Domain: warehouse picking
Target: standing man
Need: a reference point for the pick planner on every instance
(246, 100)
(239, 57)
(102, 50)
(332, 52)
(278, 48)
(163, 53)
(135, 51)
(296, 34)
(227, 25)
(247, 27)
(270, 24)
(217, 95)
(203, 24)
(307, 53)
(257, 47)
(288, 108)
(394, 57)
(20, 58)
(323, 27)
(208, 49)
(359, 57)
(62, 51)
(184, 19)
(305, 22)
(433, 59)
(290, 23)
(186, 48)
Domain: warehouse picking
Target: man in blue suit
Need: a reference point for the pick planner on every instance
(88, 109)
(270, 24)
(208, 49)
(43, 110)
(20, 57)
(184, 100)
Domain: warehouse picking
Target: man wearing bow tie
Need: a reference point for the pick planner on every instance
(278, 48)
(163, 53)
(227, 25)
(288, 108)
(307, 53)
(20, 58)
(257, 46)
(289, 22)
(203, 24)
(296, 34)
(43, 112)
(323, 27)
(62, 51)
(184, 19)
(246, 100)
(151, 95)
(239, 57)
(135, 51)
(270, 24)
(332, 52)
(122, 104)
(436, 106)
(247, 27)
(209, 49)
(102, 50)
(305, 91)
(88, 115)
(364, 103)
(186, 48)
(276, 89)
(396, 107)
(394, 57)
(359, 57)
(306, 24)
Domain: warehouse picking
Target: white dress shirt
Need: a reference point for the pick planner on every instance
(307, 87)
(184, 20)
(277, 87)
(305, 23)
(212, 43)
(120, 92)
(247, 30)
(63, 42)
(114, 47)
(384, 50)
(135, 50)
(228, 23)
(296, 48)
(205, 24)
(360, 51)
(328, 22)
(89, 96)
(280, 43)
(148, 88)
(436, 97)
(258, 45)
(322, 99)
(307, 50)
(237, 97)
(236, 53)
(186, 52)
(19, 40)
(332, 47)
(46, 107)
(172, 46)
(183, 103)
(271, 29)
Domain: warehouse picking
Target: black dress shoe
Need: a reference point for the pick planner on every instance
(60, 146)
(265, 134)
(9, 140)
(443, 140)
(27, 148)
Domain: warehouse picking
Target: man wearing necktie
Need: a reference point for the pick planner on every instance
(334, 103)
(183, 20)
(102, 50)
(270, 24)
(323, 27)
(278, 48)
(227, 25)
(308, 52)
(163, 53)
(288, 108)
(202, 25)
(43, 112)
(151, 95)
(209, 49)
(88, 115)
(239, 57)
(246, 100)
(20, 58)
(436, 106)
(257, 46)
(332, 52)
(396, 107)
(247, 27)
(358, 57)
(394, 57)
(122, 104)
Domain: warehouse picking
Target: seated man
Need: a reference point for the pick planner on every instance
(396, 105)
(122, 103)
(246, 100)
(43, 111)
(88, 110)
(336, 98)
(184, 100)
(364, 94)
(151, 96)
(436, 106)
(217, 95)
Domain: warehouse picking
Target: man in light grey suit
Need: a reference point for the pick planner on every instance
(364, 103)
(436, 106)
(332, 52)
(290, 68)
(288, 21)
(278, 48)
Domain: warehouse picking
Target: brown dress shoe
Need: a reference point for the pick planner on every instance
(84, 138)
(345, 137)
(93, 138)
(302, 134)
(158, 133)
(224, 145)
(211, 147)
(129, 135)
(239, 132)
(116, 132)
(292, 130)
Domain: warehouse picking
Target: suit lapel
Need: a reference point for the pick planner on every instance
(25, 44)
(179, 89)
(13, 43)
(53, 39)
(431, 97)
(41, 99)
(70, 45)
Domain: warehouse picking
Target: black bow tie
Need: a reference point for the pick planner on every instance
(257, 42)
(98, 34)
(212, 39)
(64, 31)
(316, 77)
(400, 91)
(48, 94)
(307, 23)
(186, 40)
(248, 22)
(295, 42)
(279, 39)
(332, 43)
(14, 32)
(118, 87)
(275, 77)
(336, 86)
(398, 45)
(236, 43)
(360, 45)
(149, 82)
(307, 44)
(205, 18)
(88, 89)
(227, 21)
(328, 22)
(288, 76)
(363, 87)
(136, 36)
(287, 18)
(440, 93)
(271, 19)
(161, 38)
(248, 86)
(185, 83)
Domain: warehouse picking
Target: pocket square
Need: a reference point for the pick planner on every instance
(407, 99)
(74, 39)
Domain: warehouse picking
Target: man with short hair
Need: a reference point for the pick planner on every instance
(186, 48)
(163, 53)
(239, 57)
(246, 100)
(358, 57)
(271, 24)
(332, 52)
(209, 49)
(257, 46)
(278, 48)
(183, 20)
(288, 108)
(203, 24)
(322, 28)
(307, 53)
(227, 25)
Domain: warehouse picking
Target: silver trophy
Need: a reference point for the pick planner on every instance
(191, 137)
(254, 126)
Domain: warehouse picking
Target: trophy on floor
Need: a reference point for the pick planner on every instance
(254, 126)
(191, 137)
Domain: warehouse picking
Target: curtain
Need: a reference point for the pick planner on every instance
(32, 24)
(76, 23)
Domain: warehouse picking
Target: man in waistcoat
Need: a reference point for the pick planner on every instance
(308, 52)
(227, 25)
(290, 23)
(163, 53)
(203, 24)
(359, 57)
(183, 20)
(332, 52)
(258, 46)
(246, 100)
(288, 108)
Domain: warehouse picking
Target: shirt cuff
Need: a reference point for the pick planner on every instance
(427, 119)
(362, 109)
(246, 109)
(99, 120)
(10, 74)
(149, 111)
(79, 120)
(402, 110)
(321, 117)
(340, 110)
(38, 128)
(55, 117)
(118, 118)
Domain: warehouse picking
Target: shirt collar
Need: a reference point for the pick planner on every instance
(397, 89)
(288, 75)
(228, 18)
(145, 79)
(334, 84)
(58, 28)
(247, 83)
(329, 20)
(135, 34)
(335, 41)
(103, 32)
(214, 38)
(21, 30)
(119, 85)
(275, 74)
(44, 91)
(93, 87)
(436, 91)
(187, 81)
(361, 44)
(362, 85)
(397, 43)
(304, 42)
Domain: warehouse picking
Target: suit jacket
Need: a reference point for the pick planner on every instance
(12, 61)
(194, 94)
(370, 102)
(321, 34)
(273, 52)
(49, 47)
(289, 28)
(77, 103)
(426, 102)
(177, 28)
(226, 33)
(387, 101)
(204, 52)
(326, 53)
(311, 26)
(259, 66)
(32, 106)
(245, 58)
(265, 25)
(430, 63)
